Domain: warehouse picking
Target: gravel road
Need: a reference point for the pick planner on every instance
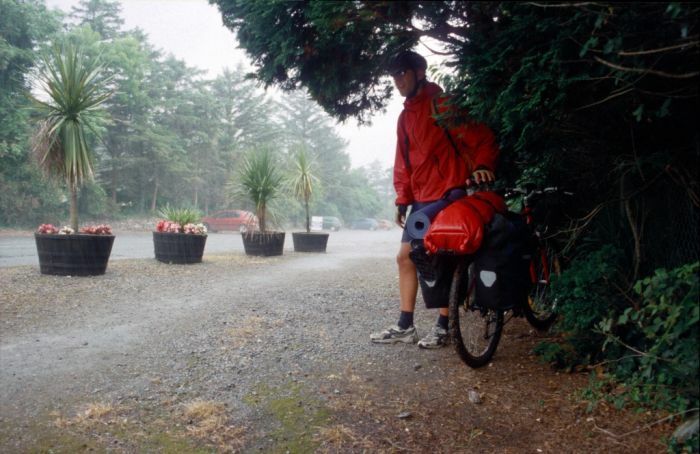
(259, 355)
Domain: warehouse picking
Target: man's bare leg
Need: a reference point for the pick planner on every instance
(408, 280)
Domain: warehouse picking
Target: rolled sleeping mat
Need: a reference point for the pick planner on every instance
(418, 222)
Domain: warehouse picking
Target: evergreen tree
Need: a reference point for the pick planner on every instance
(24, 195)
(103, 16)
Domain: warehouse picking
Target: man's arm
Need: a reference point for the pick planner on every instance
(401, 215)
(478, 139)
(402, 170)
(481, 145)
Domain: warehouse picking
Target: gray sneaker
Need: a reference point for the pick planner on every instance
(436, 338)
(394, 334)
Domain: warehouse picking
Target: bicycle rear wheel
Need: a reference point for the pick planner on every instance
(475, 330)
(540, 311)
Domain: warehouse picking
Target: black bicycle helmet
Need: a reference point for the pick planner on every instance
(406, 60)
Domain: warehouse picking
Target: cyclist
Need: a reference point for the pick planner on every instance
(429, 161)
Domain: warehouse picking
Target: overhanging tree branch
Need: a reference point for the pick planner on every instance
(562, 5)
(604, 100)
(436, 52)
(656, 51)
(646, 70)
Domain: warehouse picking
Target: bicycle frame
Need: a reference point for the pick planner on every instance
(526, 212)
(538, 308)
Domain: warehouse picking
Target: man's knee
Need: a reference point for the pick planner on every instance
(402, 258)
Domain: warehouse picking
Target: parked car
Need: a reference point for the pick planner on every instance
(364, 224)
(385, 224)
(331, 223)
(235, 220)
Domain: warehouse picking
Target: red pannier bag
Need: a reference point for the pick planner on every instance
(493, 199)
(459, 228)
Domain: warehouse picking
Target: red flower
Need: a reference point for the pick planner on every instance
(47, 229)
(102, 229)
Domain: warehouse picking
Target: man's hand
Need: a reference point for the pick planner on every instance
(401, 215)
(483, 176)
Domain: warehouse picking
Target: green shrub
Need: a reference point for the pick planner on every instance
(585, 298)
(660, 365)
(644, 345)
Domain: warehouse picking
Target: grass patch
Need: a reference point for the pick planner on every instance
(299, 417)
(207, 421)
(90, 416)
(334, 438)
(195, 427)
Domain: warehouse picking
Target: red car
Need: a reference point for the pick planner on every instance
(236, 220)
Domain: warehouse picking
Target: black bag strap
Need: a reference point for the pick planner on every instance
(434, 111)
(406, 159)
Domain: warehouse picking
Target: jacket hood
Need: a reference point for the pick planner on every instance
(430, 89)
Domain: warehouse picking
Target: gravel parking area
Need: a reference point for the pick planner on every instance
(268, 355)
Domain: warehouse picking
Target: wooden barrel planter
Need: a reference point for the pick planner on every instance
(263, 243)
(180, 248)
(73, 255)
(310, 241)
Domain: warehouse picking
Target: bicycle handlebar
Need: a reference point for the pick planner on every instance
(529, 193)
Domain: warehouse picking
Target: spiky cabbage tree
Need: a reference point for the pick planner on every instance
(303, 179)
(71, 91)
(260, 182)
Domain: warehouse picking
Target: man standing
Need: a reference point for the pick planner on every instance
(430, 160)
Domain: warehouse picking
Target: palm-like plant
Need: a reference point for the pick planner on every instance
(303, 180)
(182, 216)
(260, 182)
(74, 89)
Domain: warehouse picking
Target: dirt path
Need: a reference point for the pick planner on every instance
(268, 355)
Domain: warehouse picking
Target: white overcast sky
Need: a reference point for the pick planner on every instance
(192, 30)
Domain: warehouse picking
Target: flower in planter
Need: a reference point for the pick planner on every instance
(168, 227)
(195, 229)
(182, 220)
(102, 229)
(47, 229)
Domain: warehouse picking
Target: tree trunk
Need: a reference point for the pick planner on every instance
(308, 226)
(261, 218)
(113, 183)
(74, 207)
(155, 195)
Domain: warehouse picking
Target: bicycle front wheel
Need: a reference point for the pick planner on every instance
(540, 311)
(475, 330)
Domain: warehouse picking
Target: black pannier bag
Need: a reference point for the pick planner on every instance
(502, 265)
(434, 275)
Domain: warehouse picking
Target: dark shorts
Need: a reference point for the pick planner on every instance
(414, 207)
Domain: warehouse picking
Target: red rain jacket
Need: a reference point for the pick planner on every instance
(426, 164)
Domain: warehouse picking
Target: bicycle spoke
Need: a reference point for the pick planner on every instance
(475, 330)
